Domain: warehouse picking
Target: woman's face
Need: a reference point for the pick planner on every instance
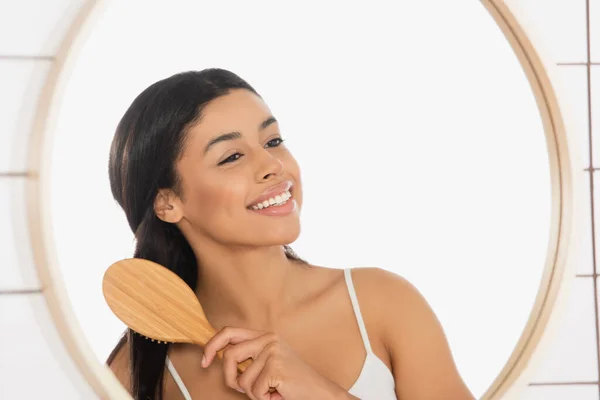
(233, 160)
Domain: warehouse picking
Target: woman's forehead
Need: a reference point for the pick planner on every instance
(240, 111)
(238, 106)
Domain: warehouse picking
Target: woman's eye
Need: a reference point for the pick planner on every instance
(231, 158)
(236, 156)
(274, 142)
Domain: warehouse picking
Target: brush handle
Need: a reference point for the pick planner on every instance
(242, 366)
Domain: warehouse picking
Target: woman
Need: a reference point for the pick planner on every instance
(199, 166)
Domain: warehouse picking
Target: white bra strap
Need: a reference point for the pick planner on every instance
(356, 307)
(177, 379)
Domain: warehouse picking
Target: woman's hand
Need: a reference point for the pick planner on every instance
(274, 366)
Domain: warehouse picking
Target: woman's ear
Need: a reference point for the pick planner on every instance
(167, 206)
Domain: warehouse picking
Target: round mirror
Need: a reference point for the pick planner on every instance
(421, 146)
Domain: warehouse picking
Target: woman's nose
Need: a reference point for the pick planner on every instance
(271, 167)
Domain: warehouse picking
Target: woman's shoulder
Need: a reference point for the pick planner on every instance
(409, 332)
(380, 294)
(377, 284)
(389, 300)
(372, 285)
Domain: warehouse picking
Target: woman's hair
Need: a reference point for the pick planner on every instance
(148, 141)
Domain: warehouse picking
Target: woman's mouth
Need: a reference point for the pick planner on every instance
(277, 205)
(275, 201)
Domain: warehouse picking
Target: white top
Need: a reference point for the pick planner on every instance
(375, 381)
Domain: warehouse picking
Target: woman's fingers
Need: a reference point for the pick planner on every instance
(235, 354)
(260, 377)
(223, 338)
(266, 378)
(246, 380)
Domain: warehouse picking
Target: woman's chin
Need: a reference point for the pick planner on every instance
(278, 238)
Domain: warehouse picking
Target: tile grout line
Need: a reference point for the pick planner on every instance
(14, 174)
(16, 57)
(563, 383)
(23, 174)
(13, 292)
(576, 64)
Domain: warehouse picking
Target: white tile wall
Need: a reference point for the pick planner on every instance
(39, 25)
(595, 30)
(571, 355)
(561, 23)
(585, 245)
(570, 392)
(595, 99)
(17, 270)
(597, 212)
(573, 86)
(33, 361)
(21, 83)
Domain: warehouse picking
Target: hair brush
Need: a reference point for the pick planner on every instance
(156, 303)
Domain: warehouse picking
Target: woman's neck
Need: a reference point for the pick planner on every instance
(249, 288)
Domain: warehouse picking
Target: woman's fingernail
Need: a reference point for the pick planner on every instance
(204, 360)
(240, 390)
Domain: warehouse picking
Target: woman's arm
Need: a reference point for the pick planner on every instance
(421, 360)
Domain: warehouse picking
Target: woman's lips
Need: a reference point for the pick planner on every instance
(289, 205)
(272, 192)
(279, 211)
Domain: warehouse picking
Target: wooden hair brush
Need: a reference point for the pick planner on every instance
(156, 303)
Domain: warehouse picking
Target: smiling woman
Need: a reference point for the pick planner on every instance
(414, 165)
(187, 195)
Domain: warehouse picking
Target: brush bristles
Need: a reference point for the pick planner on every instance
(153, 340)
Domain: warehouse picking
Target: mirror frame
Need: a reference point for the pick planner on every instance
(563, 168)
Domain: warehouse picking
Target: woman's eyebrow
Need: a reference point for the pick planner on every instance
(237, 135)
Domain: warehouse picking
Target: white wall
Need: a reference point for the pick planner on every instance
(30, 31)
(34, 361)
(567, 363)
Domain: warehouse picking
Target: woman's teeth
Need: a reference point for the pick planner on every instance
(278, 200)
